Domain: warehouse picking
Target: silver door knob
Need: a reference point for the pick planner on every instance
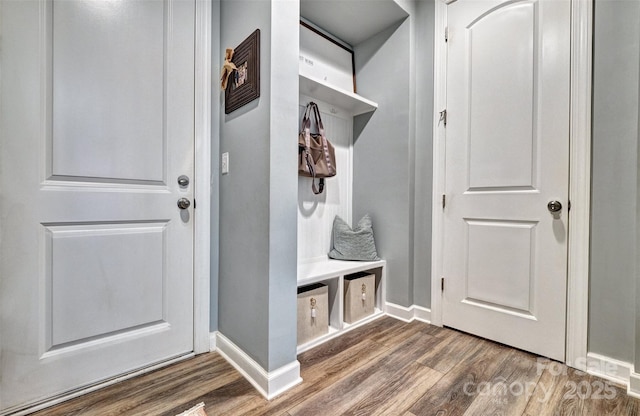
(554, 206)
(183, 203)
(183, 181)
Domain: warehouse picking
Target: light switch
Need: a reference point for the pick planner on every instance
(225, 163)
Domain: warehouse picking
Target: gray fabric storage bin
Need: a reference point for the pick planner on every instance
(310, 328)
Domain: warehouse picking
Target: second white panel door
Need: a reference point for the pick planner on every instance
(507, 143)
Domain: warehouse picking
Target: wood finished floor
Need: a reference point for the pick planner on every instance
(387, 367)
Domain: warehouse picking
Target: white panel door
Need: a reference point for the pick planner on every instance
(97, 124)
(507, 143)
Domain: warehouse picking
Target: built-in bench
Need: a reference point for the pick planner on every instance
(332, 273)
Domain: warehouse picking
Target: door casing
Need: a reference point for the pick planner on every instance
(579, 175)
(203, 189)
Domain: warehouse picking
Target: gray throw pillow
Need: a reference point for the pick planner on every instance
(353, 244)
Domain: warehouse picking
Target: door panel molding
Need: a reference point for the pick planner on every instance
(580, 175)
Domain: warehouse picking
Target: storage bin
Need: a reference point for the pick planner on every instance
(324, 59)
(359, 296)
(310, 298)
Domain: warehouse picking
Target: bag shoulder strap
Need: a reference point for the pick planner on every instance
(306, 125)
(306, 118)
(316, 113)
(312, 170)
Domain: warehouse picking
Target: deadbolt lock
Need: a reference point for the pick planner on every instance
(183, 181)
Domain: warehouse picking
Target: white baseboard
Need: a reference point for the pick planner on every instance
(212, 341)
(408, 314)
(269, 384)
(608, 368)
(615, 371)
(634, 385)
(422, 314)
(400, 312)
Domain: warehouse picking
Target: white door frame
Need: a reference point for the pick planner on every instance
(202, 180)
(579, 176)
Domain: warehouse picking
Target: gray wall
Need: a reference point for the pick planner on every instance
(244, 194)
(393, 150)
(612, 306)
(425, 16)
(258, 198)
(382, 151)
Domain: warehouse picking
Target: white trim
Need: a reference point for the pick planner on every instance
(408, 314)
(616, 371)
(422, 314)
(400, 312)
(633, 388)
(579, 181)
(269, 384)
(213, 344)
(439, 161)
(202, 159)
(610, 369)
(580, 176)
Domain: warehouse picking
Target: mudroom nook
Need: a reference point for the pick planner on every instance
(461, 239)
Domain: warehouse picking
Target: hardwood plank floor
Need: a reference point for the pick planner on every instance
(386, 367)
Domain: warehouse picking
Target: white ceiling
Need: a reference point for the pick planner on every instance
(352, 21)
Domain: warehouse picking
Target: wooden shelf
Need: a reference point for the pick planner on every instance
(346, 100)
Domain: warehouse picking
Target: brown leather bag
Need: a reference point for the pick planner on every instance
(316, 155)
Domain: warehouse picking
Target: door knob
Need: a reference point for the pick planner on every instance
(554, 206)
(183, 203)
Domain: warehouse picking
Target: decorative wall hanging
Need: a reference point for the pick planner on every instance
(243, 84)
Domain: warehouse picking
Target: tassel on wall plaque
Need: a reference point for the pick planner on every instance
(243, 85)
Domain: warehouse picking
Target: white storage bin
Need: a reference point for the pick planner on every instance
(325, 60)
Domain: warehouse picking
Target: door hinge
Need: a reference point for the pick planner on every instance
(194, 203)
(444, 201)
(569, 206)
(442, 284)
(443, 117)
(446, 34)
